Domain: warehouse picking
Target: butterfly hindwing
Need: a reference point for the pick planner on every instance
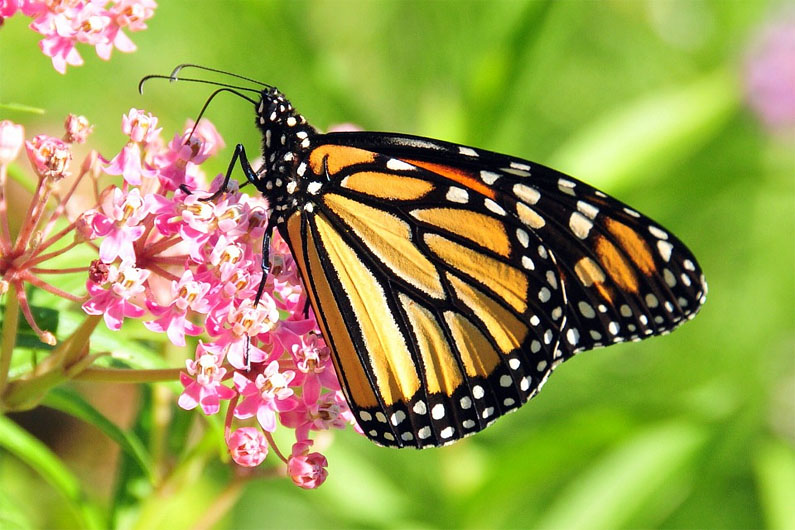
(436, 326)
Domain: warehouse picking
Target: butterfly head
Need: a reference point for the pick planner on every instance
(285, 135)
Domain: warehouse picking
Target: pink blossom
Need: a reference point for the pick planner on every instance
(12, 136)
(132, 14)
(8, 8)
(265, 396)
(118, 222)
(126, 282)
(140, 126)
(770, 73)
(187, 294)
(317, 412)
(247, 446)
(63, 24)
(313, 360)
(308, 470)
(206, 388)
(188, 150)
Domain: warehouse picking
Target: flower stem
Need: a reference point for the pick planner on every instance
(56, 237)
(38, 282)
(9, 335)
(35, 210)
(44, 257)
(39, 270)
(5, 235)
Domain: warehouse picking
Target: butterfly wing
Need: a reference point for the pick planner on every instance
(450, 281)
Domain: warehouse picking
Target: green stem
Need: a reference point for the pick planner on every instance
(8, 338)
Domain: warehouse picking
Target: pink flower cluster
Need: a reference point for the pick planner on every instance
(189, 264)
(98, 23)
(770, 73)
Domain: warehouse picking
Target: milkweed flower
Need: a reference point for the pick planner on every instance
(186, 263)
(98, 23)
(770, 73)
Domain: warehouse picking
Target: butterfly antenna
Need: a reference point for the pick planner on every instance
(207, 104)
(202, 81)
(208, 69)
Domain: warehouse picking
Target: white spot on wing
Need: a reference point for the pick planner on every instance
(566, 186)
(489, 177)
(398, 165)
(526, 193)
(665, 248)
(656, 232)
(580, 225)
(459, 195)
(494, 207)
(467, 151)
(523, 238)
(587, 209)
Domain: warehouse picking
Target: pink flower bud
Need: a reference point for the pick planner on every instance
(11, 138)
(49, 156)
(308, 470)
(247, 446)
(77, 129)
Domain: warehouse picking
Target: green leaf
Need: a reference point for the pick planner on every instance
(70, 402)
(615, 488)
(38, 456)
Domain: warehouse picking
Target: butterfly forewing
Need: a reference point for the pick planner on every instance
(624, 276)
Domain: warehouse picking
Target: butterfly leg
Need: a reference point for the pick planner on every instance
(251, 175)
(248, 171)
(266, 263)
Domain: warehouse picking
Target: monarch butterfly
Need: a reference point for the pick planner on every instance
(449, 281)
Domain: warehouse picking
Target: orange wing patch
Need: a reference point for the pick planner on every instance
(615, 265)
(465, 178)
(338, 157)
(389, 238)
(637, 249)
(484, 230)
(507, 282)
(387, 185)
(591, 274)
(506, 330)
(477, 354)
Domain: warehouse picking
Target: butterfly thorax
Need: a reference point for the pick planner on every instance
(285, 138)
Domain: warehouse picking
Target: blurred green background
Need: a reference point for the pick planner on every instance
(644, 99)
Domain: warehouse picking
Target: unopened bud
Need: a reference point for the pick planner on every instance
(48, 338)
(98, 272)
(77, 129)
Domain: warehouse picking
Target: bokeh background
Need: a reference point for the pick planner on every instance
(669, 105)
